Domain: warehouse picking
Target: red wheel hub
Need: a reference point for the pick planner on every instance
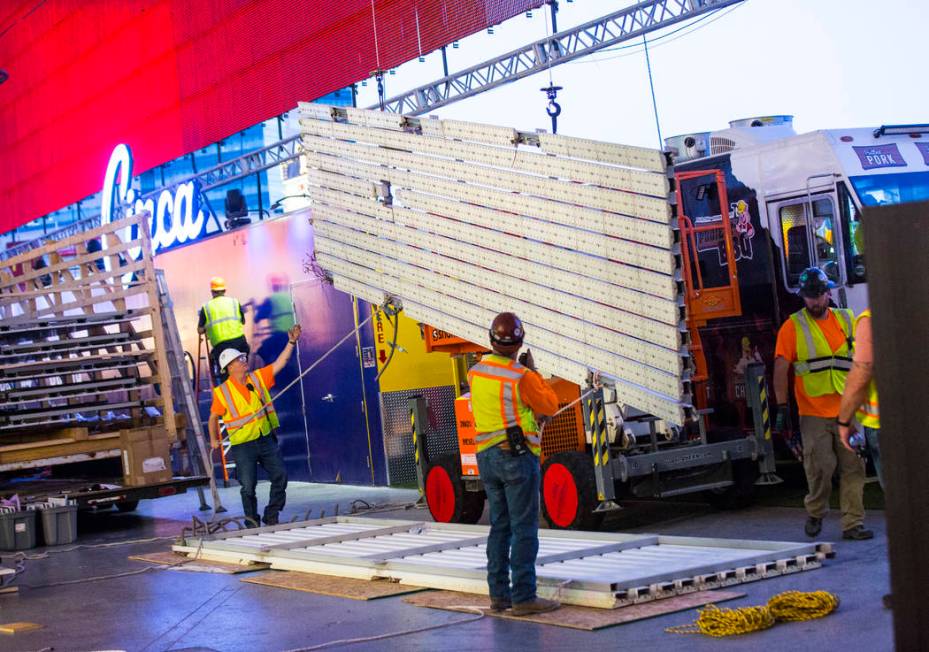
(560, 495)
(440, 495)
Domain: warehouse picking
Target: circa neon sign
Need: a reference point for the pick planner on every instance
(176, 217)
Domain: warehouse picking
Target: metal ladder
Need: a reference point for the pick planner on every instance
(183, 389)
(225, 446)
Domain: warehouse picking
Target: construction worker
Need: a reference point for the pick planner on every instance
(222, 320)
(504, 397)
(860, 397)
(818, 342)
(244, 404)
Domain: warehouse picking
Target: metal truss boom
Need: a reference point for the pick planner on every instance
(565, 46)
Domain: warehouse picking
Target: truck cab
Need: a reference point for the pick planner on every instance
(793, 201)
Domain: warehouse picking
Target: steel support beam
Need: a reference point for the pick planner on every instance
(568, 45)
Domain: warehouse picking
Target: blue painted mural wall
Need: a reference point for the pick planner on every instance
(330, 421)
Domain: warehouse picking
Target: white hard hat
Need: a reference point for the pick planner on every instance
(228, 356)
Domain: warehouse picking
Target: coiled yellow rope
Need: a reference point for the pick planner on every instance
(783, 607)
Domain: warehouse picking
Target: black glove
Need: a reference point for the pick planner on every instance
(782, 421)
(525, 359)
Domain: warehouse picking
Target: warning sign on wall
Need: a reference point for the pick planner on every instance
(411, 367)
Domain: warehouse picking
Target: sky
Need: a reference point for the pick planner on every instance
(830, 63)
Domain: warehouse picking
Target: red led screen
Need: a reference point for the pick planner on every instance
(170, 76)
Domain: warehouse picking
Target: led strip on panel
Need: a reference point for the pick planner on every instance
(509, 208)
(662, 407)
(652, 208)
(568, 214)
(549, 317)
(607, 315)
(594, 220)
(396, 249)
(597, 244)
(595, 150)
(512, 246)
(316, 111)
(375, 119)
(363, 143)
(617, 319)
(615, 273)
(461, 297)
(340, 182)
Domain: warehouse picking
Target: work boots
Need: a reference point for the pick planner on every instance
(535, 606)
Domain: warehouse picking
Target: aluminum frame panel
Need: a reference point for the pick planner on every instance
(461, 220)
(587, 568)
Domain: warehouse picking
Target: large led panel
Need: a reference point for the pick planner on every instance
(461, 221)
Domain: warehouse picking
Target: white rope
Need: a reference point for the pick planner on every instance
(545, 18)
(377, 52)
(312, 366)
(406, 632)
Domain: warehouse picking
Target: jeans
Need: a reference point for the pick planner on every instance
(512, 487)
(871, 436)
(248, 456)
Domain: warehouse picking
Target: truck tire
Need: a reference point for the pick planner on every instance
(127, 505)
(446, 496)
(569, 492)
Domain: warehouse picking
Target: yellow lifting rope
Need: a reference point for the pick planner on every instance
(783, 607)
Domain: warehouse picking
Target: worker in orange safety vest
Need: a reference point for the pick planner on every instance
(505, 396)
(243, 402)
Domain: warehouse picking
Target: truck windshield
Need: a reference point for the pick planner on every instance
(882, 189)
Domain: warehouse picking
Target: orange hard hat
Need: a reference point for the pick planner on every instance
(506, 333)
(217, 284)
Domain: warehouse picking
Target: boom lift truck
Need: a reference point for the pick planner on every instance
(757, 204)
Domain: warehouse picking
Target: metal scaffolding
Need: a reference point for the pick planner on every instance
(624, 25)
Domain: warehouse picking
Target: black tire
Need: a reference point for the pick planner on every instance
(741, 493)
(127, 505)
(445, 493)
(569, 492)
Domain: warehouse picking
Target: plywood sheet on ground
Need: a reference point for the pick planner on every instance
(182, 562)
(585, 618)
(339, 587)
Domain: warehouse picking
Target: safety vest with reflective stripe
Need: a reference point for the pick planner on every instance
(223, 319)
(239, 420)
(282, 312)
(496, 402)
(869, 414)
(821, 370)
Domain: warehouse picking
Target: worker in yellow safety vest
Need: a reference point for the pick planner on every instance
(243, 402)
(860, 399)
(505, 397)
(222, 320)
(860, 396)
(817, 342)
